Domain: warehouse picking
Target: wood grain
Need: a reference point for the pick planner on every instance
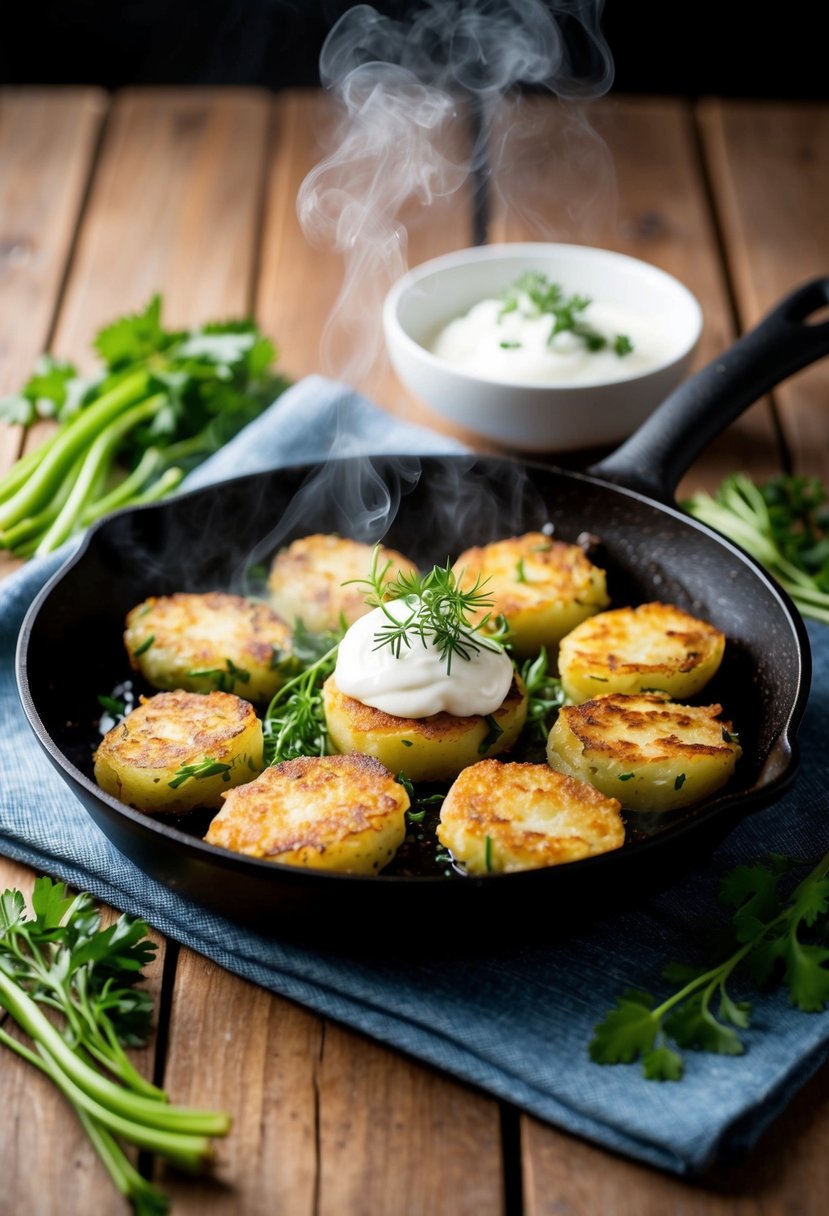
(624, 174)
(769, 166)
(324, 308)
(787, 1174)
(47, 144)
(396, 1137)
(317, 1111)
(194, 195)
(237, 1048)
(174, 209)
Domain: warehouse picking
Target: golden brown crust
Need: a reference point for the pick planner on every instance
(209, 640)
(332, 812)
(445, 727)
(651, 753)
(632, 650)
(543, 587)
(501, 816)
(140, 759)
(426, 749)
(306, 579)
(647, 727)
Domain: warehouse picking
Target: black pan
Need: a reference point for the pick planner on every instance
(71, 646)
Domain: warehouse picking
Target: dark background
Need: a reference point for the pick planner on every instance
(735, 48)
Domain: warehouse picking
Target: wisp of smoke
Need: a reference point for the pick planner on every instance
(403, 86)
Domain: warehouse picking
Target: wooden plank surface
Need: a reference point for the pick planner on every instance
(47, 145)
(769, 166)
(773, 241)
(174, 209)
(204, 186)
(323, 304)
(317, 1112)
(178, 175)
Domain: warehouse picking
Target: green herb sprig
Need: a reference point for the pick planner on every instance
(200, 771)
(164, 401)
(777, 938)
(545, 698)
(784, 523)
(85, 975)
(534, 295)
(431, 607)
(294, 724)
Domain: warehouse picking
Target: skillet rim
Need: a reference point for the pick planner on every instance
(743, 802)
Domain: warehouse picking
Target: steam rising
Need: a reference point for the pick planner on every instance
(406, 88)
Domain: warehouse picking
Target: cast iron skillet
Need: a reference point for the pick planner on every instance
(71, 646)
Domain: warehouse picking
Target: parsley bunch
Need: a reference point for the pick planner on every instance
(777, 938)
(86, 976)
(784, 524)
(163, 402)
(534, 295)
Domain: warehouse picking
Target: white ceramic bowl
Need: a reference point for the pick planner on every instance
(539, 416)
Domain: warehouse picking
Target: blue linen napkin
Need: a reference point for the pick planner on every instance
(515, 1023)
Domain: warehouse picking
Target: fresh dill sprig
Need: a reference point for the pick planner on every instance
(430, 608)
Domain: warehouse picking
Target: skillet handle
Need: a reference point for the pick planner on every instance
(656, 455)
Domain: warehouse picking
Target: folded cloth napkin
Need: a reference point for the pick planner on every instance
(516, 1023)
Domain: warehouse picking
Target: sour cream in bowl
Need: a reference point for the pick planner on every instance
(541, 347)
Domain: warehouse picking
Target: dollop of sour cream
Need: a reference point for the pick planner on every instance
(515, 348)
(416, 684)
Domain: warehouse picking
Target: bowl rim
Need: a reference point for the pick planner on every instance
(503, 251)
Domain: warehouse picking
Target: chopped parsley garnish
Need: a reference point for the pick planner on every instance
(534, 295)
(223, 679)
(144, 647)
(492, 735)
(200, 771)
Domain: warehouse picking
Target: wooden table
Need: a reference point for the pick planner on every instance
(105, 200)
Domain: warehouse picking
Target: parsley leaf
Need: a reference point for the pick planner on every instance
(87, 977)
(534, 295)
(768, 928)
(163, 402)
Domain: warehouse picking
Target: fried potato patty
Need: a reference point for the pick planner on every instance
(210, 641)
(435, 748)
(655, 647)
(344, 813)
(647, 751)
(306, 580)
(542, 586)
(499, 817)
(179, 750)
